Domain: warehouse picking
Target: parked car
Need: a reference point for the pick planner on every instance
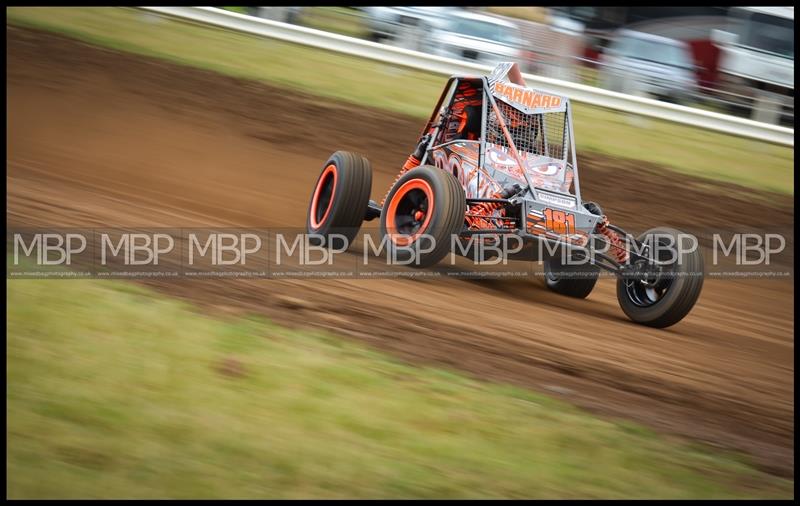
(282, 14)
(650, 65)
(387, 22)
(478, 37)
(756, 63)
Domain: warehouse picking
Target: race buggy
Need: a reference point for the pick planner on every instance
(497, 157)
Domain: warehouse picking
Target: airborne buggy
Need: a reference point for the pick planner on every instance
(497, 157)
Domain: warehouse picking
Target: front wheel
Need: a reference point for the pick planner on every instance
(423, 211)
(666, 294)
(339, 200)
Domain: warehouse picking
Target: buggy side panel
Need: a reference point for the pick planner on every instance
(545, 172)
(460, 158)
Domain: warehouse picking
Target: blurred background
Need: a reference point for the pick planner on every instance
(732, 60)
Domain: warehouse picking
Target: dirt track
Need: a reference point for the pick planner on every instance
(102, 138)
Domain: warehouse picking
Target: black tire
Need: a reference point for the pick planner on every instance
(571, 280)
(339, 200)
(412, 194)
(671, 298)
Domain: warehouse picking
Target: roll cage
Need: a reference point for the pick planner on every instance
(495, 112)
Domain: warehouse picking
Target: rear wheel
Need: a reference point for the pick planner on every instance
(576, 280)
(666, 294)
(339, 200)
(422, 212)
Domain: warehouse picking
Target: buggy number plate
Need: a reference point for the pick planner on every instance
(560, 222)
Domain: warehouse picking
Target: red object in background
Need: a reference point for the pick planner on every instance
(706, 56)
(591, 54)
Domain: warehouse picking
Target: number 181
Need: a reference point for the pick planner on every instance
(559, 222)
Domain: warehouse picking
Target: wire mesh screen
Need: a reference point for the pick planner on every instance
(540, 134)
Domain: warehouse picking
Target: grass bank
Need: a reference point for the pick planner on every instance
(116, 391)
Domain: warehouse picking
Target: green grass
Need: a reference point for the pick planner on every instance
(339, 20)
(681, 148)
(115, 391)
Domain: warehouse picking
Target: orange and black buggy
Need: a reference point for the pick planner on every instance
(497, 157)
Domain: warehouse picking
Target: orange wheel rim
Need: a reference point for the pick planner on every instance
(409, 212)
(322, 200)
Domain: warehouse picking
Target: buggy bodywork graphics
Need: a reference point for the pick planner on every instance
(497, 157)
(524, 138)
